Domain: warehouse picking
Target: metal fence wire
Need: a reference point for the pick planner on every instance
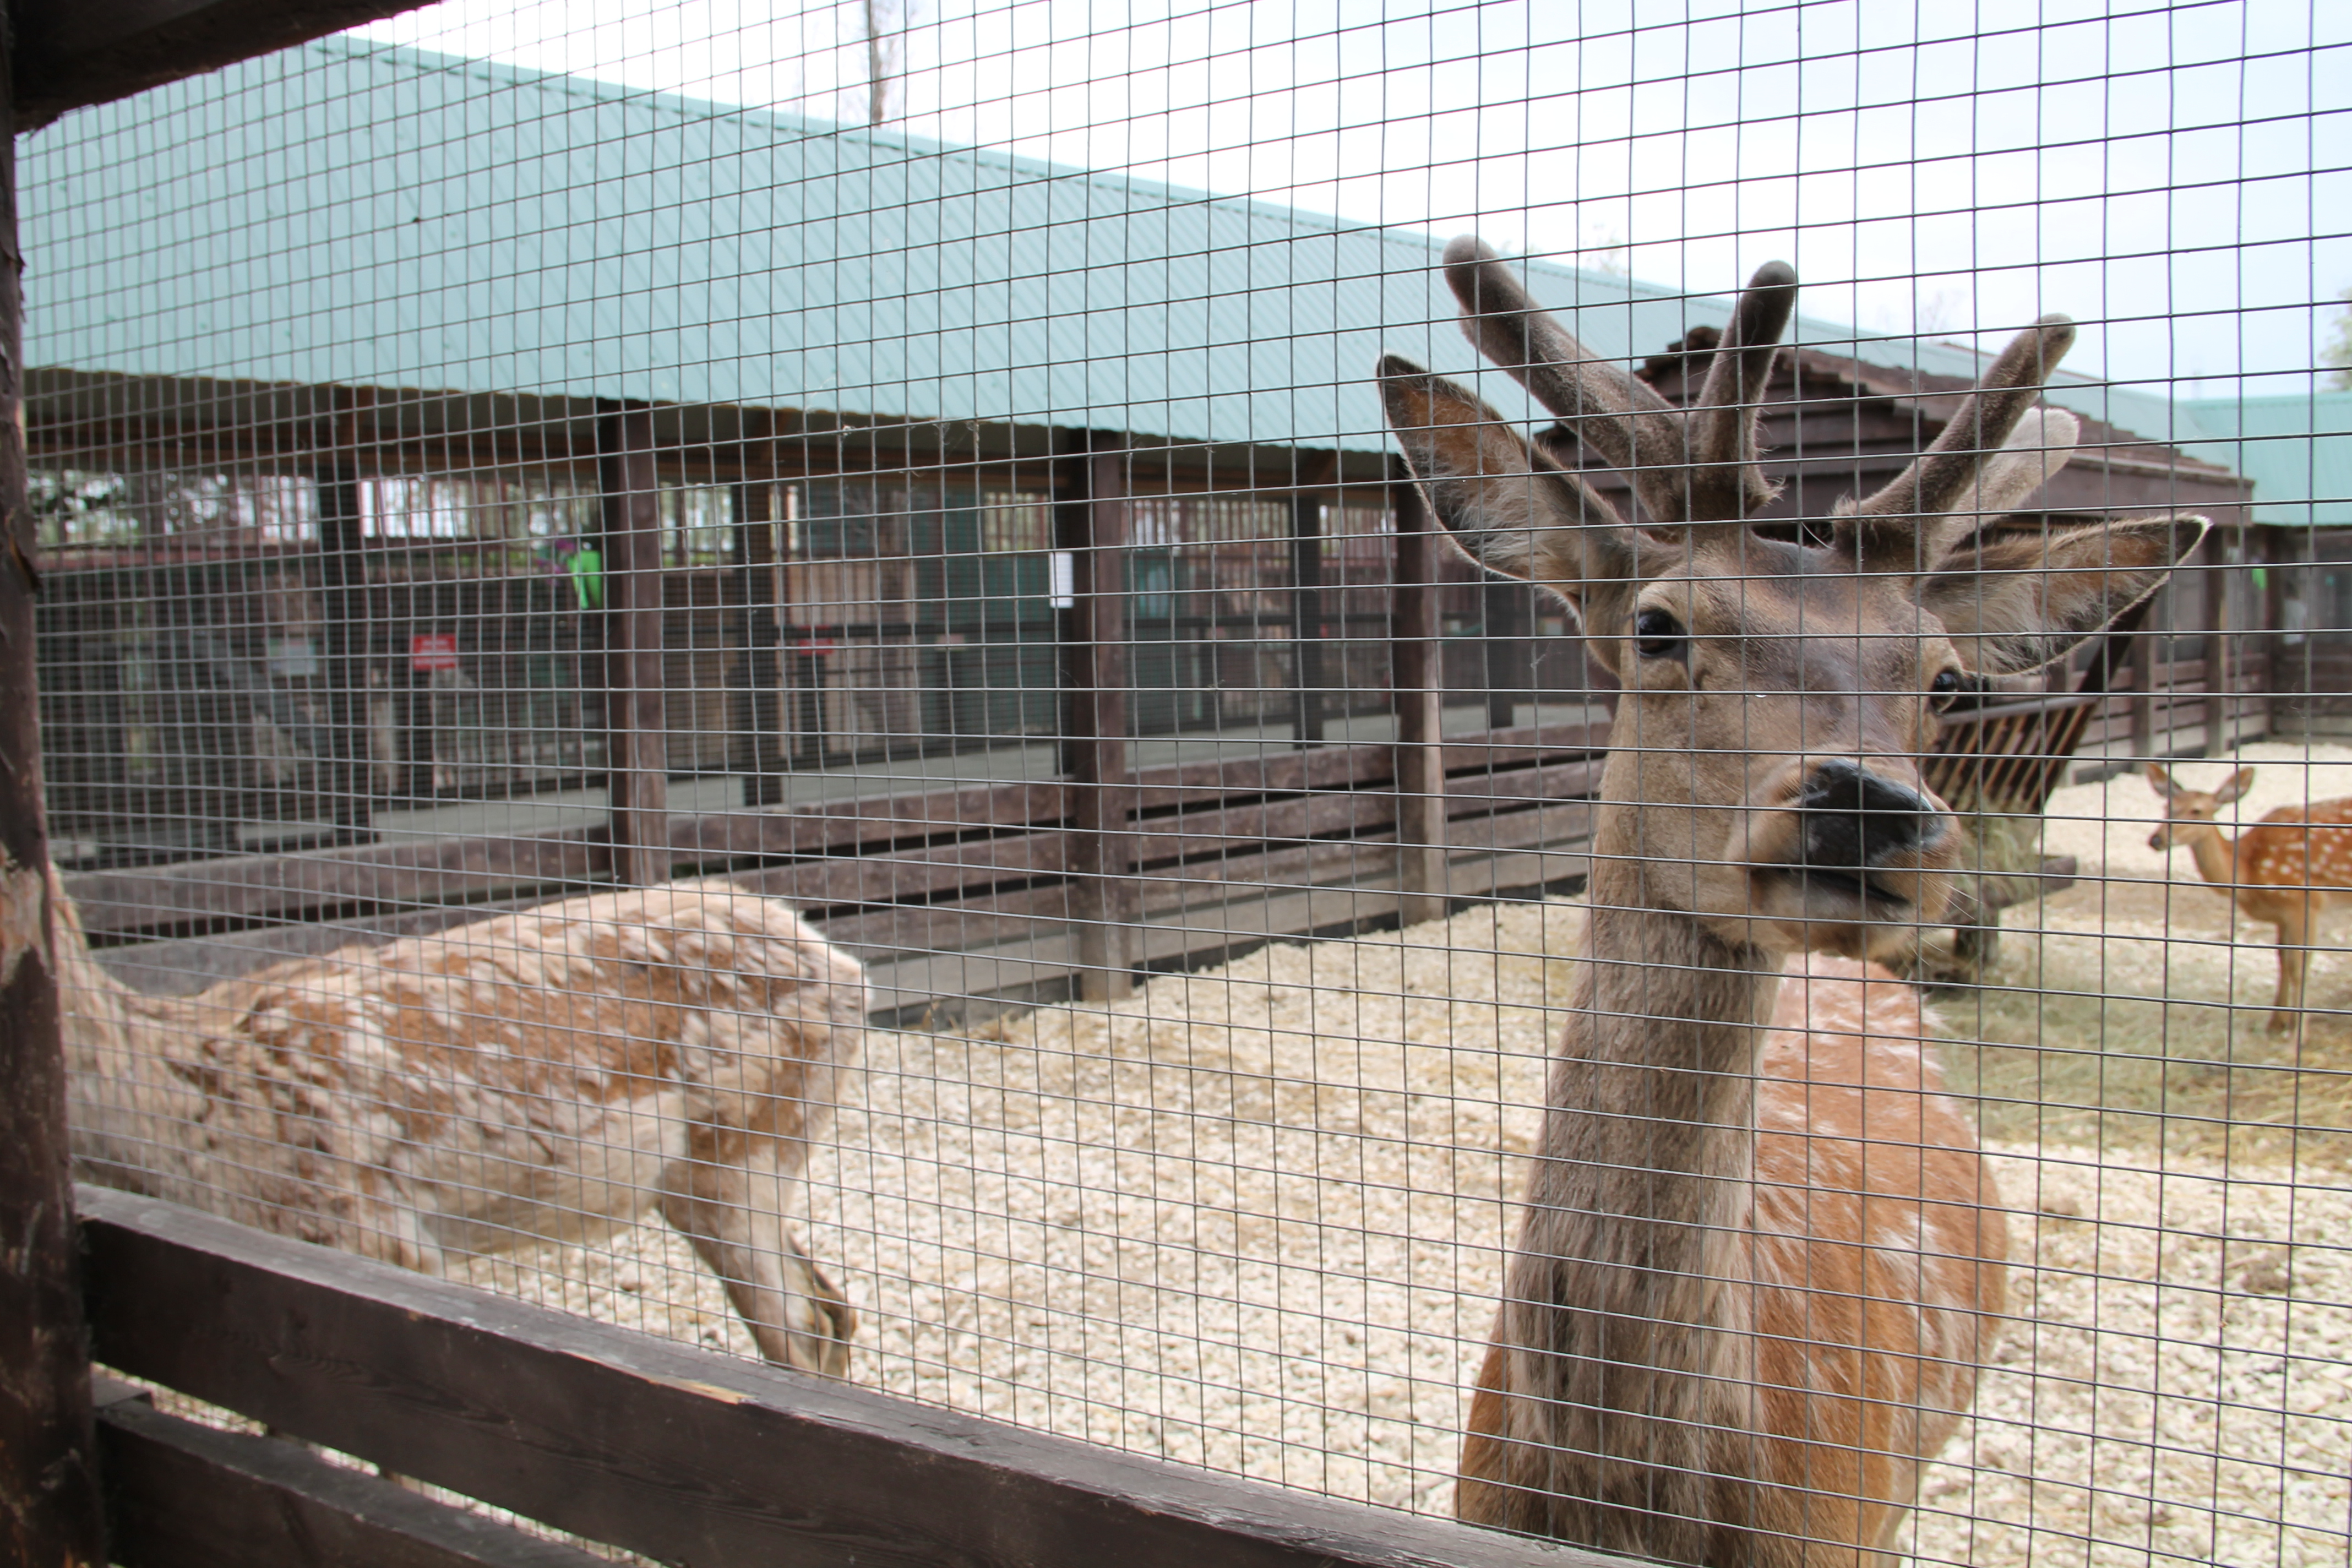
(1735, 1029)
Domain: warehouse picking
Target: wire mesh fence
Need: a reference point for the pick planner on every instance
(531, 497)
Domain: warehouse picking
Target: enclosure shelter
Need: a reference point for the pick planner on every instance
(905, 785)
(2298, 450)
(327, 600)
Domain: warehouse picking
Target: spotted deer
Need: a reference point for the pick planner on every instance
(2286, 870)
(547, 1075)
(1755, 1272)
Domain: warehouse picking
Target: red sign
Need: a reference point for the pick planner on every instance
(433, 650)
(812, 649)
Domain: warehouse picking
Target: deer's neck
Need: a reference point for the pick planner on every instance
(1649, 1121)
(2216, 855)
(1625, 1316)
(135, 1103)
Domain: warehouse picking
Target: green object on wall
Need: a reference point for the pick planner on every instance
(587, 570)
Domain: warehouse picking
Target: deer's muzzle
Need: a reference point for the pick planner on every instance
(1853, 823)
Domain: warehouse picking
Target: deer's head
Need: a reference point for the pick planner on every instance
(2186, 807)
(1779, 693)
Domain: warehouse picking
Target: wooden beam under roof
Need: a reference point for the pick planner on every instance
(74, 53)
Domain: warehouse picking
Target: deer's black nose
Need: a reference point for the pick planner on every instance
(1853, 820)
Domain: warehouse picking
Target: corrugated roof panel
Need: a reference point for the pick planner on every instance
(399, 218)
(2298, 449)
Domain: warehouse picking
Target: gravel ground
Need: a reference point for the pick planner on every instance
(1253, 1217)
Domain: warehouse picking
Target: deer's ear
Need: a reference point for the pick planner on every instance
(2162, 777)
(2237, 785)
(1508, 507)
(2012, 602)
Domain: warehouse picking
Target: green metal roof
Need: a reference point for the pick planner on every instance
(2298, 449)
(349, 212)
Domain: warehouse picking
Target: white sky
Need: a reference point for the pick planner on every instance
(2176, 176)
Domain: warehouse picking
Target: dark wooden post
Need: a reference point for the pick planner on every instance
(2275, 553)
(1504, 614)
(1307, 616)
(1418, 670)
(350, 773)
(50, 1513)
(760, 758)
(2226, 549)
(1093, 527)
(635, 719)
(2143, 680)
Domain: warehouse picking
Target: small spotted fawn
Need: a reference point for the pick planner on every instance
(2284, 871)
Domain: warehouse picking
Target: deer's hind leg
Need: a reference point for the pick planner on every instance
(729, 1195)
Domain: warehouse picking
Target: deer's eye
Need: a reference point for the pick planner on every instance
(1948, 684)
(1657, 634)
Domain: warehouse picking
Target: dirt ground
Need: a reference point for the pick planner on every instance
(1255, 1217)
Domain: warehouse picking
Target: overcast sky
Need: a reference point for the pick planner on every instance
(2176, 176)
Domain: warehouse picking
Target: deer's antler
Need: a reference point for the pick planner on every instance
(1695, 467)
(1725, 483)
(1601, 404)
(1904, 526)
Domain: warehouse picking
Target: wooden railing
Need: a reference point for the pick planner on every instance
(681, 1453)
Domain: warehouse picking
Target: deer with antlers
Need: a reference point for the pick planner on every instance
(2286, 870)
(551, 1074)
(1757, 1270)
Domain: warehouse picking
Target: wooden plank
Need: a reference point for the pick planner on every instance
(679, 1453)
(636, 725)
(1481, 794)
(862, 821)
(1525, 743)
(70, 55)
(1158, 841)
(1262, 773)
(903, 872)
(248, 886)
(1171, 891)
(964, 868)
(1419, 680)
(1198, 833)
(183, 1496)
(49, 1512)
(1206, 920)
(1101, 792)
(254, 887)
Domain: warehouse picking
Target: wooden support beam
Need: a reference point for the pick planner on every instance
(636, 715)
(348, 773)
(183, 1496)
(1418, 674)
(681, 1453)
(48, 1486)
(2284, 665)
(1505, 634)
(72, 53)
(1307, 674)
(2222, 554)
(760, 557)
(1093, 525)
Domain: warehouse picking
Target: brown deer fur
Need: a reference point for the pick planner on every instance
(550, 1074)
(1754, 1277)
(2286, 870)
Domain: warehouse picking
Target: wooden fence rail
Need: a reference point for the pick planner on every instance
(686, 1455)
